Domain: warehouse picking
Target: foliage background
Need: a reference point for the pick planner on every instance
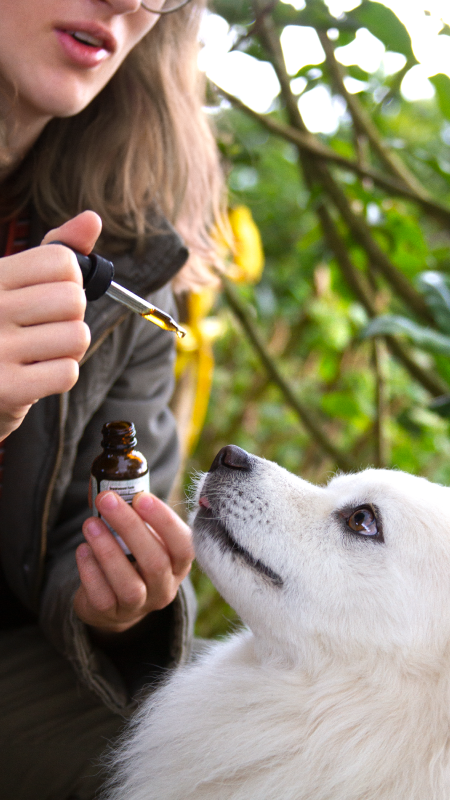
(334, 238)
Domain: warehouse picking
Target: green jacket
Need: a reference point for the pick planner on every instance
(127, 373)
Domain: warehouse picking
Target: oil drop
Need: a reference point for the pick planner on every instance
(164, 321)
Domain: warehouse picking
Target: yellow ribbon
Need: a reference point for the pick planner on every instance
(194, 366)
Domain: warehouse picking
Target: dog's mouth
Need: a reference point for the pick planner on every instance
(215, 527)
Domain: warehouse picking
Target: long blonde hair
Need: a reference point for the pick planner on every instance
(143, 143)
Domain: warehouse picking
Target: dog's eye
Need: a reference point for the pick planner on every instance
(364, 522)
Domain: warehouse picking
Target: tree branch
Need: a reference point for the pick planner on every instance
(432, 382)
(310, 144)
(363, 123)
(382, 404)
(317, 172)
(376, 255)
(314, 428)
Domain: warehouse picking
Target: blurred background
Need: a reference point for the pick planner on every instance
(326, 347)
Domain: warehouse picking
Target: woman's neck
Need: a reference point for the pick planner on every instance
(22, 129)
(16, 151)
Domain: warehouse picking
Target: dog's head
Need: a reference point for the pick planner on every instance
(358, 566)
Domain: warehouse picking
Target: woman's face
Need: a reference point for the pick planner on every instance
(57, 55)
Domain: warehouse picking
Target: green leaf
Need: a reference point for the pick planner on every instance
(385, 25)
(346, 36)
(234, 11)
(341, 405)
(405, 241)
(441, 83)
(356, 72)
(436, 288)
(253, 48)
(303, 71)
(445, 30)
(315, 15)
(424, 338)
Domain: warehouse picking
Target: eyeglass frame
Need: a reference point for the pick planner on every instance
(169, 11)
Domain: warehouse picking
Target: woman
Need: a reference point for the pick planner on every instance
(101, 110)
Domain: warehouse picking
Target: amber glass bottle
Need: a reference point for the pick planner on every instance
(120, 467)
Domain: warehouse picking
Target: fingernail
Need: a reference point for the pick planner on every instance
(144, 500)
(92, 527)
(108, 501)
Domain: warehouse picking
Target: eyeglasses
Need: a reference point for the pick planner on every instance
(165, 8)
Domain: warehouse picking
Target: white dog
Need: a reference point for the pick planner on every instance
(339, 687)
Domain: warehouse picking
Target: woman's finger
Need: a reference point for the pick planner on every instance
(39, 265)
(150, 552)
(49, 341)
(48, 302)
(153, 560)
(80, 232)
(128, 586)
(23, 384)
(96, 595)
(175, 534)
(128, 524)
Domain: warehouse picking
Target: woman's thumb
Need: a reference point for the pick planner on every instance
(80, 233)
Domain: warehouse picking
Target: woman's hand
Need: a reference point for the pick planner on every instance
(115, 594)
(42, 333)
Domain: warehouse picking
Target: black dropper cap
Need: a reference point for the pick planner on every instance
(97, 272)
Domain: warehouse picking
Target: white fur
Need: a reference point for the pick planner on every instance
(339, 687)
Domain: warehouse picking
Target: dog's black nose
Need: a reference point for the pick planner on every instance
(233, 457)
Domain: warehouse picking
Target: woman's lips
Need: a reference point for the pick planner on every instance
(85, 53)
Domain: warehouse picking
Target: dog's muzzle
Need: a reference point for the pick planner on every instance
(208, 520)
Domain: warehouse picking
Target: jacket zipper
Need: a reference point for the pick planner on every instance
(63, 407)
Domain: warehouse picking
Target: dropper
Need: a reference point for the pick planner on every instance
(146, 310)
(98, 275)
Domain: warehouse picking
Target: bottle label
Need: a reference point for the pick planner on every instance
(126, 489)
